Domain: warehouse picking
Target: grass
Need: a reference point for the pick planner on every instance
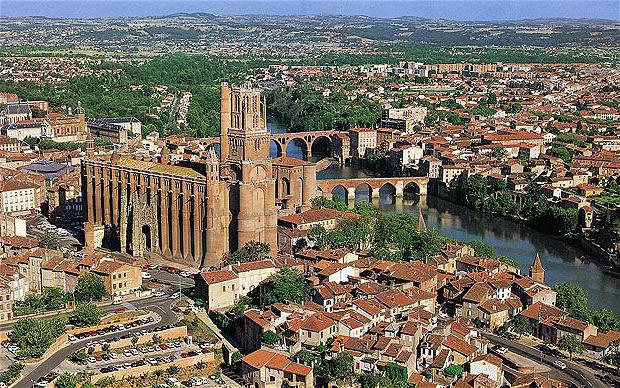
(197, 328)
(612, 199)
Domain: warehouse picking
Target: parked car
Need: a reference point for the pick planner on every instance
(559, 364)
(119, 310)
(146, 275)
(500, 349)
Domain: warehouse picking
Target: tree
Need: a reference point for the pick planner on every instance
(50, 240)
(499, 152)
(396, 374)
(570, 344)
(574, 299)
(67, 380)
(90, 287)
(482, 249)
(319, 237)
(53, 298)
(370, 380)
(286, 285)
(134, 340)
(339, 368)
(366, 209)
(251, 251)
(453, 370)
(236, 357)
(269, 338)
(173, 370)
(605, 319)
(521, 325)
(86, 314)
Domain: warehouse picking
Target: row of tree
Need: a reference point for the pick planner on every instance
(490, 196)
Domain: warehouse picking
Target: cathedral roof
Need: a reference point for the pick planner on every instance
(158, 167)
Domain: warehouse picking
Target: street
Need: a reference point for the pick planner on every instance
(573, 372)
(160, 306)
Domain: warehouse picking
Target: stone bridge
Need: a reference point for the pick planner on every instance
(317, 142)
(418, 185)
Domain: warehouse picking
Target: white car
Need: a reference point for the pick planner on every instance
(146, 275)
(159, 293)
(559, 364)
(185, 274)
(175, 295)
(500, 350)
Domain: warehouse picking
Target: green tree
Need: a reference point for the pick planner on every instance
(286, 285)
(85, 314)
(560, 152)
(50, 240)
(67, 380)
(453, 370)
(574, 299)
(605, 319)
(370, 380)
(134, 340)
(570, 344)
(319, 237)
(90, 287)
(53, 298)
(396, 374)
(366, 209)
(482, 248)
(269, 338)
(337, 369)
(521, 325)
(236, 357)
(251, 251)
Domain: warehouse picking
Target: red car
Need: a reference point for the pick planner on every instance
(163, 346)
(120, 310)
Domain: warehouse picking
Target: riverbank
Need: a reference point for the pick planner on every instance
(579, 239)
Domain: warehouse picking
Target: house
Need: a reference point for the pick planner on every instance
(219, 289)
(602, 344)
(119, 278)
(317, 329)
(269, 369)
(488, 365)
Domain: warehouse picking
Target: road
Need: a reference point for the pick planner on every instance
(573, 372)
(160, 306)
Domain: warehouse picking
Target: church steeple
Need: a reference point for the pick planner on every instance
(537, 271)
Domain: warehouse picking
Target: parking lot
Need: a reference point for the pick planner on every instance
(38, 226)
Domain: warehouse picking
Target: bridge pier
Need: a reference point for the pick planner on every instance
(351, 194)
(400, 188)
(375, 193)
(423, 189)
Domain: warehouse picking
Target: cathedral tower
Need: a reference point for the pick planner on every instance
(245, 156)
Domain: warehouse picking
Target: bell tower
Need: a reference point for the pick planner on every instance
(245, 152)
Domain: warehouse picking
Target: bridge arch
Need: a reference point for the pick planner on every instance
(275, 149)
(340, 192)
(321, 147)
(297, 147)
(363, 193)
(387, 194)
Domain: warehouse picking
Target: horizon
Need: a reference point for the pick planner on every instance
(454, 10)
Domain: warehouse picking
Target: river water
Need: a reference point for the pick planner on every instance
(562, 262)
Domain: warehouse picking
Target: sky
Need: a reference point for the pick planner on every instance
(437, 9)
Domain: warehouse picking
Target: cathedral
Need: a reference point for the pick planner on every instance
(191, 212)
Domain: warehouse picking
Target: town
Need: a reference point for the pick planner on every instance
(175, 220)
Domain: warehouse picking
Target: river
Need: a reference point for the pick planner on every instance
(562, 262)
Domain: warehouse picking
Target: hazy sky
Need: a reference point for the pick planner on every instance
(447, 9)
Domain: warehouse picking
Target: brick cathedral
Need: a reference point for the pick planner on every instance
(192, 212)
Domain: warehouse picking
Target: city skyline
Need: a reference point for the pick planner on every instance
(474, 10)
